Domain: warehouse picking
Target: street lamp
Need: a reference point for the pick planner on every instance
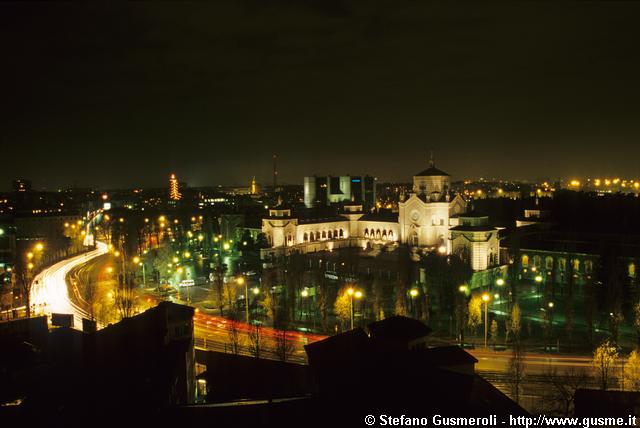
(353, 294)
(485, 298)
(500, 282)
(413, 293)
(240, 281)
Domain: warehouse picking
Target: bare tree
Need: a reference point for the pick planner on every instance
(255, 339)
(124, 300)
(563, 388)
(284, 342)
(233, 331)
(516, 371)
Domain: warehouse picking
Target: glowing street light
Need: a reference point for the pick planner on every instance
(463, 288)
(241, 281)
(353, 294)
(485, 298)
(538, 278)
(413, 293)
(39, 246)
(500, 282)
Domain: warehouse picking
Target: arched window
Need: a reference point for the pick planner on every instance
(305, 237)
(330, 234)
(378, 236)
(562, 264)
(537, 261)
(588, 266)
(548, 262)
(391, 235)
(341, 233)
(366, 233)
(311, 237)
(324, 234)
(384, 235)
(414, 238)
(317, 236)
(525, 260)
(335, 233)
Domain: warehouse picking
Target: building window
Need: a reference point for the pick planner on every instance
(588, 266)
(384, 235)
(391, 235)
(341, 233)
(548, 263)
(335, 233)
(414, 238)
(330, 234)
(562, 264)
(537, 261)
(441, 222)
(324, 234)
(366, 233)
(525, 261)
(305, 237)
(632, 270)
(378, 234)
(576, 265)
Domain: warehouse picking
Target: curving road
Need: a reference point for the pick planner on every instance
(49, 291)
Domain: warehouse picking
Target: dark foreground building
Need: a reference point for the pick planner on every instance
(135, 368)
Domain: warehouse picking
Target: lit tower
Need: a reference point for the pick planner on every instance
(254, 186)
(275, 172)
(174, 188)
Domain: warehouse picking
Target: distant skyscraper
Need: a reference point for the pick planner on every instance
(174, 188)
(330, 190)
(254, 187)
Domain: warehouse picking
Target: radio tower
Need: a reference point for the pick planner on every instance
(275, 173)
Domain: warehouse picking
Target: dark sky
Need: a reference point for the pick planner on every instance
(122, 94)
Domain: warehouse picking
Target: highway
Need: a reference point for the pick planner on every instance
(50, 294)
(49, 291)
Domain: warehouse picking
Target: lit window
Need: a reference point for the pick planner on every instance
(525, 261)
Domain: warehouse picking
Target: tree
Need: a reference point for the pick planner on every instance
(494, 332)
(218, 285)
(255, 339)
(262, 241)
(233, 331)
(124, 300)
(516, 371)
(604, 360)
(378, 298)
(636, 322)
(475, 313)
(284, 344)
(342, 307)
(515, 322)
(564, 387)
(631, 374)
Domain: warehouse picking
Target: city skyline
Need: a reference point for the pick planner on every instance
(130, 93)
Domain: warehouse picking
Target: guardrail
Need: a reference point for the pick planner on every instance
(265, 353)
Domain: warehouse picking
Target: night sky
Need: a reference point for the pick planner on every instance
(123, 94)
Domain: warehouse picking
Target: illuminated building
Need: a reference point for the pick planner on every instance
(426, 220)
(327, 190)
